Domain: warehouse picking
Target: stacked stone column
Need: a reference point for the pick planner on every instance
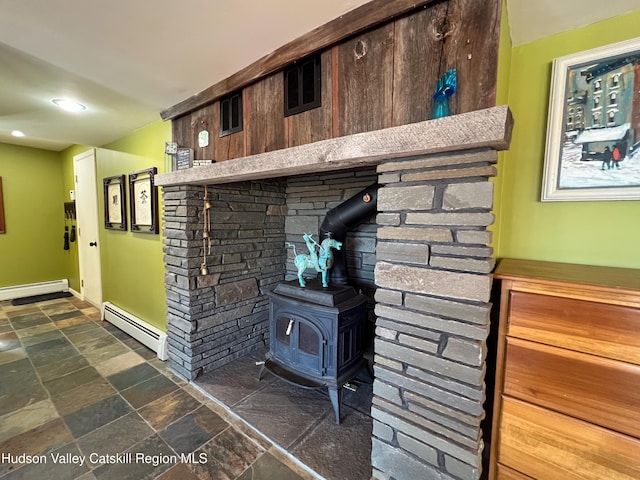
(433, 274)
(217, 317)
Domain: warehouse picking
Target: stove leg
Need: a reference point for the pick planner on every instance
(261, 372)
(335, 394)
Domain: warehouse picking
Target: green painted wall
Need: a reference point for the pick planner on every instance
(597, 233)
(502, 98)
(32, 249)
(133, 263)
(36, 185)
(146, 142)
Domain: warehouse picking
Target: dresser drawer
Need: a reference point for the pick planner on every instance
(547, 445)
(595, 389)
(505, 473)
(606, 330)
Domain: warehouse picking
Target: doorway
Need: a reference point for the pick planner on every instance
(88, 227)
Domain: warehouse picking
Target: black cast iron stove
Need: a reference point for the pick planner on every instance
(316, 336)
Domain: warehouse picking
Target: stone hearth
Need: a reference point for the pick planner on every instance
(432, 271)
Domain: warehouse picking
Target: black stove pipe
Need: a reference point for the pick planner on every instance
(343, 218)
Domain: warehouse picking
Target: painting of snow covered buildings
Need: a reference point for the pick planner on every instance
(593, 135)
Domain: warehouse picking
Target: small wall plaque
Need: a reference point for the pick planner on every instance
(203, 139)
(170, 148)
(184, 158)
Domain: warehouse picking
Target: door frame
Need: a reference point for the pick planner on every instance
(86, 221)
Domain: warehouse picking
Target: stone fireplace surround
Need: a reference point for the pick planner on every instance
(432, 274)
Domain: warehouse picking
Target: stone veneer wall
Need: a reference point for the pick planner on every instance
(309, 198)
(434, 281)
(215, 318)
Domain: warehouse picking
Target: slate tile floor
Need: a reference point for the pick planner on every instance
(298, 420)
(72, 386)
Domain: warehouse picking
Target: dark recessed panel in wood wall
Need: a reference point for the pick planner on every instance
(471, 46)
(365, 81)
(314, 125)
(416, 63)
(266, 125)
(229, 146)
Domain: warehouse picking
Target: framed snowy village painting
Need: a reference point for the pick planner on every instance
(593, 130)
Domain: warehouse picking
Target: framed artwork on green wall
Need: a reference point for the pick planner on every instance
(115, 212)
(593, 129)
(143, 201)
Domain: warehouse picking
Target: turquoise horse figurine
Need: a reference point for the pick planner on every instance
(320, 257)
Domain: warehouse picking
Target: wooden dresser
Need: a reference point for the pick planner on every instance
(567, 395)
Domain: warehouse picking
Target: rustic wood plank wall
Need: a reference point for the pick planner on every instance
(232, 145)
(266, 126)
(471, 45)
(355, 21)
(365, 81)
(382, 77)
(416, 63)
(185, 130)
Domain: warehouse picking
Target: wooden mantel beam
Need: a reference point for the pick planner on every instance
(352, 22)
(489, 128)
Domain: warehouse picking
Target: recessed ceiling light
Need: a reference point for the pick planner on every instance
(17, 133)
(68, 105)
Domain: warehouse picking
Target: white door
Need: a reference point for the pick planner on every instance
(88, 227)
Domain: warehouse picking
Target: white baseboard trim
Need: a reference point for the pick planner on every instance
(75, 293)
(142, 331)
(29, 290)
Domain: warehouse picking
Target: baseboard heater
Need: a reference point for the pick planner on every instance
(145, 333)
(32, 289)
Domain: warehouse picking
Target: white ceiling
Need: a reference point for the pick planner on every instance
(127, 60)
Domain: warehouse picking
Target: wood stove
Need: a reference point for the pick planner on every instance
(317, 336)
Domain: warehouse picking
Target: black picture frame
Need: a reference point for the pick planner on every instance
(115, 208)
(3, 226)
(143, 201)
